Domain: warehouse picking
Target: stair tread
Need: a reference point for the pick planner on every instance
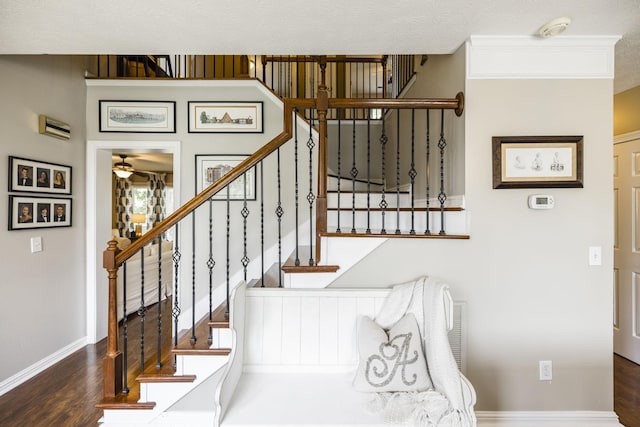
(219, 317)
(392, 234)
(201, 345)
(124, 401)
(310, 268)
(415, 209)
(165, 378)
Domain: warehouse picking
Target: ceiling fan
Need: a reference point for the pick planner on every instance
(122, 169)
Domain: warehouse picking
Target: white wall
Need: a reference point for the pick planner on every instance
(42, 294)
(193, 144)
(530, 294)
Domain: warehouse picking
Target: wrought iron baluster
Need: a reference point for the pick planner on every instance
(412, 172)
(383, 202)
(279, 213)
(176, 305)
(295, 149)
(354, 173)
(339, 166)
(398, 175)
(368, 230)
(310, 196)
(125, 337)
(262, 223)
(245, 213)
(159, 350)
(210, 265)
(442, 196)
(228, 310)
(428, 172)
(193, 338)
(142, 311)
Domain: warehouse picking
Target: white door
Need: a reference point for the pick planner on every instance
(626, 183)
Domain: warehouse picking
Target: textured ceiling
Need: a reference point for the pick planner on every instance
(304, 27)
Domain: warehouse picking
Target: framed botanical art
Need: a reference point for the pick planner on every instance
(27, 212)
(137, 116)
(212, 167)
(35, 176)
(225, 117)
(537, 161)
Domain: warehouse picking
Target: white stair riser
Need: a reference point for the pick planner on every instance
(347, 200)
(455, 222)
(348, 185)
(222, 338)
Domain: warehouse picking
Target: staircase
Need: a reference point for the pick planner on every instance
(346, 219)
(183, 395)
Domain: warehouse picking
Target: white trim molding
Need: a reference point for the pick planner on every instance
(528, 57)
(33, 370)
(626, 137)
(547, 418)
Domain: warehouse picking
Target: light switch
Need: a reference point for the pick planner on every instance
(595, 255)
(36, 244)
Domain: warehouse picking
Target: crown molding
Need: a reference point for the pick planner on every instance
(528, 57)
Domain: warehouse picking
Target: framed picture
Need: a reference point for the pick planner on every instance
(27, 212)
(225, 117)
(211, 167)
(34, 176)
(537, 161)
(138, 116)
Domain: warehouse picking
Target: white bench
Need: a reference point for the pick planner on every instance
(295, 363)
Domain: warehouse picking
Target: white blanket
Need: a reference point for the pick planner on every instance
(451, 403)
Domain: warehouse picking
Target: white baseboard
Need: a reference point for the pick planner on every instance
(33, 370)
(547, 418)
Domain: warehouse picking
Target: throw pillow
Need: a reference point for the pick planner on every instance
(393, 361)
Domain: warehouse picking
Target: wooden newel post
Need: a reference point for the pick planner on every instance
(113, 360)
(322, 106)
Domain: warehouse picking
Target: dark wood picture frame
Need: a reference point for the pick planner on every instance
(36, 176)
(537, 161)
(28, 212)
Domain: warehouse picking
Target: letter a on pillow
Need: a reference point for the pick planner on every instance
(393, 361)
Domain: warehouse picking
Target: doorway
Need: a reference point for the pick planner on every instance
(99, 219)
(626, 336)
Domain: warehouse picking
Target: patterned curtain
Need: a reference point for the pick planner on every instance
(156, 209)
(124, 206)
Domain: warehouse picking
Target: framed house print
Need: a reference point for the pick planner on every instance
(34, 176)
(225, 117)
(211, 167)
(26, 212)
(537, 161)
(137, 116)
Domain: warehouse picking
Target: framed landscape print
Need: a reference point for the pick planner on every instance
(537, 161)
(225, 117)
(211, 167)
(137, 116)
(26, 212)
(35, 176)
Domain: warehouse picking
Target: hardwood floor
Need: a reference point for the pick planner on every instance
(626, 391)
(66, 394)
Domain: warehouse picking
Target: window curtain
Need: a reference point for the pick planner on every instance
(124, 206)
(156, 209)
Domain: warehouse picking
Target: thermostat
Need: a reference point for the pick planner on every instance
(540, 201)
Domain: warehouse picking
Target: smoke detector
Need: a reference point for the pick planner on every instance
(554, 27)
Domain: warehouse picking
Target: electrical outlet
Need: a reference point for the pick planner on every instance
(546, 370)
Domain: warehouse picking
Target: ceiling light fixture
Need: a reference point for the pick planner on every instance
(554, 27)
(122, 169)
